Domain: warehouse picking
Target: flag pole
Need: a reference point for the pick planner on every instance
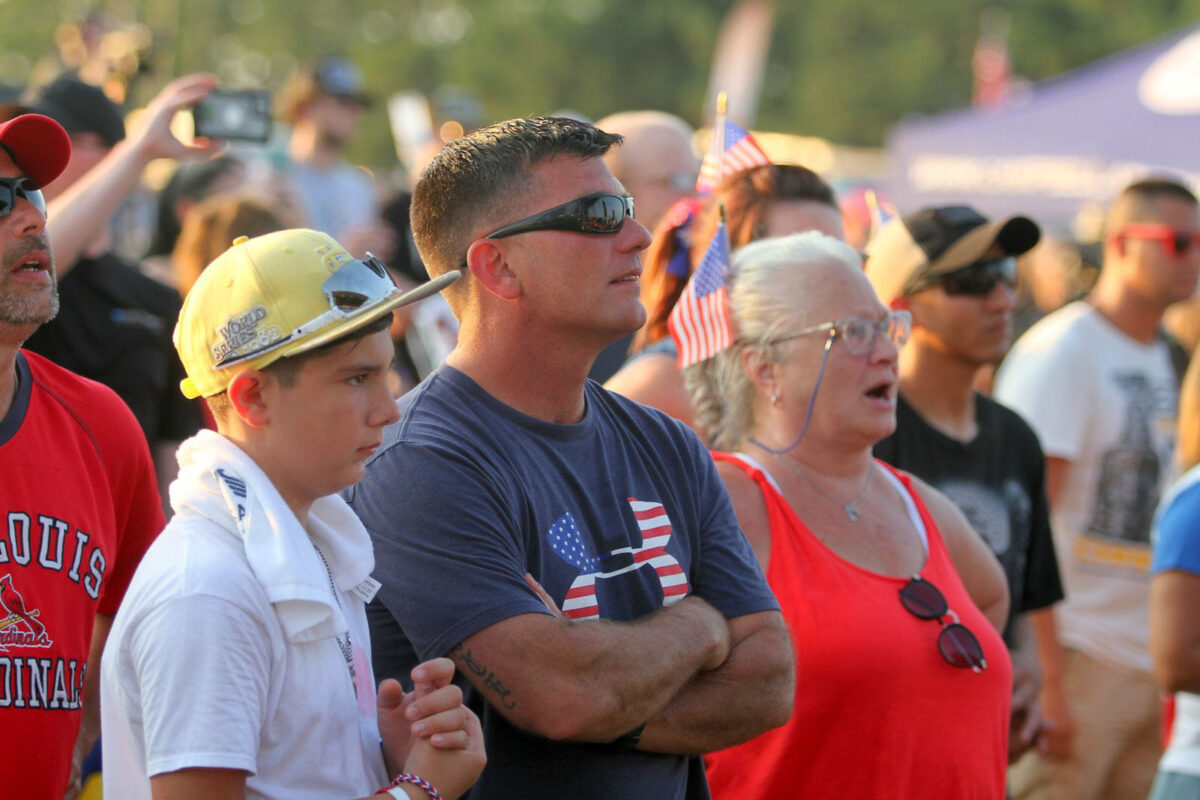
(719, 131)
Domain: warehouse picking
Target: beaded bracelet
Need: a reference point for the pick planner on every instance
(415, 780)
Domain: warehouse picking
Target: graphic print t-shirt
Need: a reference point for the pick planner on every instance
(616, 516)
(997, 481)
(79, 506)
(1106, 403)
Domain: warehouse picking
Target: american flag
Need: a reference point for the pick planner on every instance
(699, 323)
(733, 149)
(882, 212)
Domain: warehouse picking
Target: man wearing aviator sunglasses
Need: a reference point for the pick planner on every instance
(603, 599)
(956, 272)
(1095, 380)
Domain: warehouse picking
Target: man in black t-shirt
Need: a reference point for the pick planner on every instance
(956, 272)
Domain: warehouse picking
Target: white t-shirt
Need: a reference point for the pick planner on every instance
(198, 672)
(1108, 404)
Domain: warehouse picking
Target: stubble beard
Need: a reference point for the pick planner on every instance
(19, 307)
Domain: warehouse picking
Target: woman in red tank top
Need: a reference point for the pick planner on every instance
(892, 601)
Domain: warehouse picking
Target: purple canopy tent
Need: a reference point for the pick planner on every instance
(1075, 139)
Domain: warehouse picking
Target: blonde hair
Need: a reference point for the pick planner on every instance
(1188, 447)
(721, 389)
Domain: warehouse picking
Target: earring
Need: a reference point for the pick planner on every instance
(774, 398)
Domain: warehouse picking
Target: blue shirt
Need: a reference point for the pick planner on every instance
(616, 516)
(1176, 534)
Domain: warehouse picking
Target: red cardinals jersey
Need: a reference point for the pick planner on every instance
(78, 508)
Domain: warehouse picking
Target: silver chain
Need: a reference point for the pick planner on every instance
(850, 508)
(343, 641)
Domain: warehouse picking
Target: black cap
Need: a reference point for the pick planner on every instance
(937, 241)
(80, 108)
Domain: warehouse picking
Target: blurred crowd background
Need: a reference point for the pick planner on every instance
(923, 102)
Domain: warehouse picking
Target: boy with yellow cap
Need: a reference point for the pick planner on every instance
(239, 664)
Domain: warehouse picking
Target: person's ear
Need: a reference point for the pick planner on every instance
(760, 371)
(247, 397)
(488, 263)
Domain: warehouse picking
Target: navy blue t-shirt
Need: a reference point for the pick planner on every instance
(616, 516)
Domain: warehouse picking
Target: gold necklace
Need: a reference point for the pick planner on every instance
(850, 508)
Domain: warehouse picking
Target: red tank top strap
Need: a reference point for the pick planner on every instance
(780, 515)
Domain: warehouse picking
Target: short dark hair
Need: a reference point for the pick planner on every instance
(1135, 203)
(472, 178)
(287, 369)
(1154, 188)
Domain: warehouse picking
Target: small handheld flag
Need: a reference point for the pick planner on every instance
(732, 150)
(699, 323)
(882, 212)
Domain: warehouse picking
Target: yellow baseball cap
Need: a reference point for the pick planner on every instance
(278, 295)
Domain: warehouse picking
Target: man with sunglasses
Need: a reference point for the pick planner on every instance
(956, 272)
(78, 500)
(513, 487)
(1095, 380)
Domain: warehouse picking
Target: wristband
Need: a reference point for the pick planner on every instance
(416, 780)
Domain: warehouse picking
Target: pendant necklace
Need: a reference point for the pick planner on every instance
(850, 508)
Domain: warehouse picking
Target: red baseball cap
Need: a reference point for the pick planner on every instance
(38, 145)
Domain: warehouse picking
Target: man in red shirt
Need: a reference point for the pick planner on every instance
(78, 500)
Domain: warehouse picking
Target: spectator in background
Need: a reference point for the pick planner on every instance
(425, 333)
(1174, 598)
(956, 273)
(190, 184)
(1095, 381)
(212, 225)
(657, 166)
(324, 103)
(764, 201)
(655, 163)
(115, 323)
(1182, 323)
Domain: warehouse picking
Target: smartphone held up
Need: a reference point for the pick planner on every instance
(243, 115)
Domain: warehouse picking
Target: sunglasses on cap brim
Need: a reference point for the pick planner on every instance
(355, 286)
(594, 213)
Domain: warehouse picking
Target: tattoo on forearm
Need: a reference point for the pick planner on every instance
(463, 655)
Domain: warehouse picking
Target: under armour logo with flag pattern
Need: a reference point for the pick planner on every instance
(567, 541)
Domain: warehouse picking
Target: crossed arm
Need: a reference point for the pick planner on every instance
(696, 681)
